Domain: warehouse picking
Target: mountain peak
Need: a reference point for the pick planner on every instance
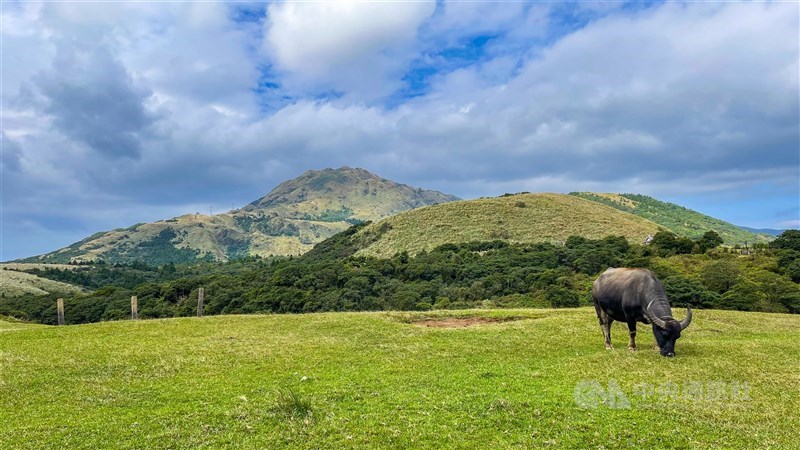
(289, 220)
(337, 188)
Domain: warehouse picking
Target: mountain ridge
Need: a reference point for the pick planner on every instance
(768, 231)
(673, 217)
(303, 211)
(288, 220)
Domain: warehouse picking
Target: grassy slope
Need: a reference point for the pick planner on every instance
(544, 217)
(675, 218)
(14, 284)
(10, 324)
(372, 380)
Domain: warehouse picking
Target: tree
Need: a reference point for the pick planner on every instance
(779, 293)
(789, 239)
(742, 297)
(665, 241)
(669, 243)
(793, 270)
(683, 291)
(789, 264)
(560, 297)
(720, 276)
(709, 241)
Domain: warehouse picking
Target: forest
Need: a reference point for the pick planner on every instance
(493, 274)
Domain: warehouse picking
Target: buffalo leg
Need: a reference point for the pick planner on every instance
(632, 333)
(605, 325)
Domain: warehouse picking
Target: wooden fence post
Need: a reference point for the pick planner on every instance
(134, 307)
(60, 308)
(200, 295)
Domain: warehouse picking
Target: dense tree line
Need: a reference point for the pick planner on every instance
(332, 277)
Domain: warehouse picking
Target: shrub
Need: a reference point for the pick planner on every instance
(721, 275)
(742, 297)
(560, 297)
(682, 291)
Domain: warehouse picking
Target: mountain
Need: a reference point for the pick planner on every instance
(768, 231)
(513, 218)
(288, 221)
(675, 218)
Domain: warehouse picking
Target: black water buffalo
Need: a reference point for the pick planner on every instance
(636, 295)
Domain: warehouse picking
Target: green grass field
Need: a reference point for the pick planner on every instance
(379, 380)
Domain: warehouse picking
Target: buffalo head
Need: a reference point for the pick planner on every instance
(668, 330)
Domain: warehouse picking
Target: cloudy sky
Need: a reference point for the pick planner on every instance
(118, 113)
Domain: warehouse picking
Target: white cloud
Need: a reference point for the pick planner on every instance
(461, 18)
(670, 100)
(356, 47)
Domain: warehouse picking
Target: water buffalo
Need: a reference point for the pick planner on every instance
(636, 295)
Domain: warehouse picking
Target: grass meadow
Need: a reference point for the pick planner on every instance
(533, 378)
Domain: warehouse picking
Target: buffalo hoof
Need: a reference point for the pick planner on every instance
(631, 349)
(668, 355)
(609, 347)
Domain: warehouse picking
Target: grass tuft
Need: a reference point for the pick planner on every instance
(290, 404)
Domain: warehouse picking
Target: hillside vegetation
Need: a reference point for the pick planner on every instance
(475, 274)
(521, 218)
(289, 220)
(380, 380)
(675, 218)
(14, 283)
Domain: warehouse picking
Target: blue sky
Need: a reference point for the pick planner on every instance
(118, 113)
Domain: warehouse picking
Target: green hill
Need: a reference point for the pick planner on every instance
(514, 218)
(479, 379)
(288, 221)
(675, 218)
(16, 283)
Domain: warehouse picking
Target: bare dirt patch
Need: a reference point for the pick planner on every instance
(459, 322)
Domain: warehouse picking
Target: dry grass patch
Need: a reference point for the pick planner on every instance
(460, 322)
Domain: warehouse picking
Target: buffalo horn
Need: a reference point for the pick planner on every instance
(654, 319)
(685, 322)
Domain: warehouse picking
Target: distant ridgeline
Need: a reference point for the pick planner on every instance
(675, 218)
(318, 204)
(288, 221)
